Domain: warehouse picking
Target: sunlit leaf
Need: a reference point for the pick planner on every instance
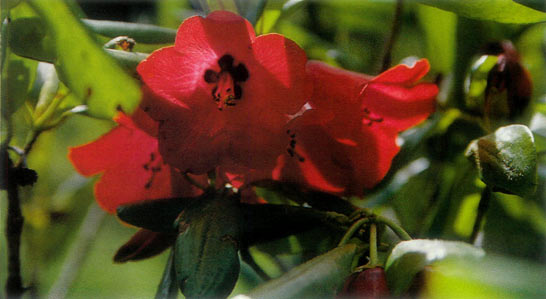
(507, 159)
(89, 73)
(491, 277)
(439, 27)
(410, 257)
(503, 11)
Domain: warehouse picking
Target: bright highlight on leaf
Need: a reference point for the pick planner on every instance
(102, 85)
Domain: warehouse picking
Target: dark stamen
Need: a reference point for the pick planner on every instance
(225, 62)
(211, 76)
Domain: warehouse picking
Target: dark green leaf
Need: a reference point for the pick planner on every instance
(206, 251)
(409, 257)
(503, 11)
(320, 277)
(156, 215)
(168, 289)
(268, 222)
(507, 159)
(89, 73)
(19, 74)
(31, 38)
(141, 33)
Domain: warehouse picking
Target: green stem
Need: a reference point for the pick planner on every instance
(351, 231)
(398, 230)
(374, 260)
(482, 209)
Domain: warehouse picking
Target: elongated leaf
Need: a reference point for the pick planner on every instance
(503, 11)
(320, 277)
(141, 33)
(155, 215)
(410, 257)
(84, 67)
(507, 159)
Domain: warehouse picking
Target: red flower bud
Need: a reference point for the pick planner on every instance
(370, 283)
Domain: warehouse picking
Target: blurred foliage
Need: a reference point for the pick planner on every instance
(433, 190)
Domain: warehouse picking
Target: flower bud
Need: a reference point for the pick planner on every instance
(498, 86)
(370, 283)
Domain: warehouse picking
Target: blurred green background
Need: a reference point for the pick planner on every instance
(432, 190)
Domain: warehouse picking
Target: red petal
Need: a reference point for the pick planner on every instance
(403, 74)
(132, 168)
(284, 83)
(400, 107)
(95, 157)
(221, 31)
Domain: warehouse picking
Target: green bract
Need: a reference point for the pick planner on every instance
(507, 159)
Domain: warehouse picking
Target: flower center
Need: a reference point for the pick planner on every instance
(227, 89)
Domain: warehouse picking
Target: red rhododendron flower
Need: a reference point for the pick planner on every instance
(346, 143)
(131, 166)
(223, 95)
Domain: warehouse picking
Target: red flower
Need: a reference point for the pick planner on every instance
(222, 94)
(346, 143)
(131, 166)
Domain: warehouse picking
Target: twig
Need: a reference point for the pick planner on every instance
(14, 228)
(69, 272)
(482, 209)
(395, 30)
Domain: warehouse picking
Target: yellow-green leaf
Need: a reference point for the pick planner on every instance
(84, 67)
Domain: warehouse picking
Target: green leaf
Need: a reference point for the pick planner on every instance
(30, 37)
(439, 27)
(320, 277)
(206, 251)
(82, 65)
(507, 159)
(141, 33)
(167, 288)
(155, 215)
(502, 11)
(19, 74)
(409, 257)
(491, 277)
